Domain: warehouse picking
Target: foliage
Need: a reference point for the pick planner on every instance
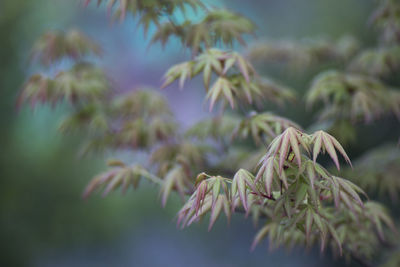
(352, 96)
(377, 171)
(55, 45)
(236, 80)
(300, 201)
(303, 53)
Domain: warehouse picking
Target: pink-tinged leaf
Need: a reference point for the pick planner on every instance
(349, 190)
(247, 92)
(311, 174)
(205, 207)
(379, 214)
(167, 187)
(215, 211)
(249, 180)
(214, 93)
(329, 143)
(115, 182)
(356, 188)
(331, 150)
(216, 66)
(98, 181)
(216, 187)
(339, 147)
(321, 227)
(321, 171)
(294, 145)
(243, 66)
(227, 208)
(269, 175)
(227, 90)
(185, 214)
(128, 179)
(228, 64)
(350, 204)
(284, 151)
(184, 75)
(241, 187)
(260, 236)
(200, 196)
(266, 128)
(207, 76)
(335, 191)
(282, 176)
(234, 188)
(335, 236)
(275, 144)
(317, 146)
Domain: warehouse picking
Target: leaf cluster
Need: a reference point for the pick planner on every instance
(56, 45)
(148, 12)
(302, 54)
(236, 80)
(377, 171)
(219, 26)
(386, 19)
(378, 62)
(304, 203)
(84, 82)
(352, 96)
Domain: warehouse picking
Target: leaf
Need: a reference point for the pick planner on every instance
(260, 235)
(347, 186)
(182, 71)
(311, 173)
(300, 194)
(215, 211)
(268, 174)
(242, 181)
(222, 203)
(289, 139)
(335, 236)
(200, 195)
(328, 143)
(120, 175)
(115, 163)
(53, 46)
(222, 87)
(309, 222)
(321, 226)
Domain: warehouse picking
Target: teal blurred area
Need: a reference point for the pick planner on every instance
(44, 221)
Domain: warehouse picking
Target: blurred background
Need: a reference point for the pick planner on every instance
(44, 221)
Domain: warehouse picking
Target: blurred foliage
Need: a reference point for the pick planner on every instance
(378, 170)
(42, 179)
(54, 46)
(236, 80)
(302, 202)
(302, 54)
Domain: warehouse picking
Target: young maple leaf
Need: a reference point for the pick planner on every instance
(325, 142)
(120, 175)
